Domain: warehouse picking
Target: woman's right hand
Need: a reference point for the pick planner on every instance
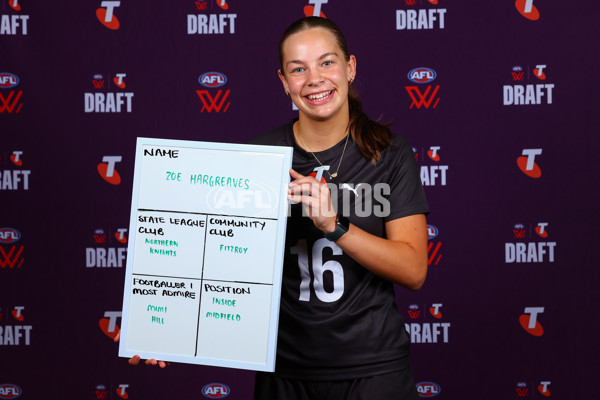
(135, 360)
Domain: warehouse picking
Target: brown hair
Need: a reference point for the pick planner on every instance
(370, 137)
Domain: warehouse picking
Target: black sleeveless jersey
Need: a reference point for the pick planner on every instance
(337, 319)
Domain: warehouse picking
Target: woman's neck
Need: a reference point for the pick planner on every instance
(317, 136)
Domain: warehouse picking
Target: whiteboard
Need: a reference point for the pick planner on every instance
(205, 253)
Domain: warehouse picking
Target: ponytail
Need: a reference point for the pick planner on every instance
(370, 137)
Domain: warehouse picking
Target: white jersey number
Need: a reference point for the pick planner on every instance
(319, 269)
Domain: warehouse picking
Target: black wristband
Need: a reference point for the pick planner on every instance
(342, 225)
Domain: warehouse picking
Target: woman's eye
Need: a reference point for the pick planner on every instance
(297, 70)
(327, 63)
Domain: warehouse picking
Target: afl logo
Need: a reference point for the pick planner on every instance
(432, 232)
(212, 79)
(421, 75)
(9, 235)
(8, 80)
(519, 226)
(517, 68)
(10, 391)
(428, 389)
(215, 391)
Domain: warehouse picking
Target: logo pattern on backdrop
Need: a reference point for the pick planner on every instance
(422, 329)
(538, 93)
(212, 20)
(14, 24)
(210, 100)
(106, 14)
(10, 100)
(12, 175)
(426, 97)
(13, 328)
(419, 15)
(527, 165)
(104, 100)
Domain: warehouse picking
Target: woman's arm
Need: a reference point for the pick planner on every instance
(401, 258)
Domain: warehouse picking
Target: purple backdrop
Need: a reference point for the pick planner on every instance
(505, 136)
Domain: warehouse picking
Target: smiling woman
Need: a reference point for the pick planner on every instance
(315, 73)
(340, 333)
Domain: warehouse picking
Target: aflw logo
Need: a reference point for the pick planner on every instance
(427, 98)
(218, 102)
(11, 103)
(433, 248)
(11, 259)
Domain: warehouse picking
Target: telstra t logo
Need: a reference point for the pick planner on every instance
(544, 389)
(118, 80)
(15, 5)
(527, 163)
(122, 391)
(314, 10)
(529, 321)
(106, 14)
(107, 170)
(435, 310)
(108, 324)
(433, 153)
(527, 9)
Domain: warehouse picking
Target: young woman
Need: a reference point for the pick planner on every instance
(359, 226)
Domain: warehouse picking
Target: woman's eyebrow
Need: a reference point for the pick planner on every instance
(331, 53)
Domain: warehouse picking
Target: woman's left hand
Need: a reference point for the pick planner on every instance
(316, 199)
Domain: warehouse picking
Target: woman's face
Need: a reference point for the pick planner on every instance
(316, 74)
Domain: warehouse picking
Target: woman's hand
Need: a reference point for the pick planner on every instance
(135, 360)
(316, 199)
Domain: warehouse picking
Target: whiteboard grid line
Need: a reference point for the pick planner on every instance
(202, 279)
(200, 213)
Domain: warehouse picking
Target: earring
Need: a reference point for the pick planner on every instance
(351, 80)
(287, 93)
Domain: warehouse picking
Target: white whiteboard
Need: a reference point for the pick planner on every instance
(205, 255)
